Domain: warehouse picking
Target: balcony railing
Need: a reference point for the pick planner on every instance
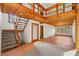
(60, 8)
(53, 10)
(36, 7)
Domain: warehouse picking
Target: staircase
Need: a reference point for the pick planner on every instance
(11, 38)
(8, 39)
(21, 24)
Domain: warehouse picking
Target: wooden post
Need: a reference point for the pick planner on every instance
(18, 38)
(74, 7)
(38, 9)
(63, 8)
(33, 7)
(57, 9)
(46, 13)
(77, 29)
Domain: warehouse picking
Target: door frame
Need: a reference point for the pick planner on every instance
(37, 32)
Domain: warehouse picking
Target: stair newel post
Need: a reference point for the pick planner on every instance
(18, 38)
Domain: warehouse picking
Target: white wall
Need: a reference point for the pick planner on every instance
(26, 37)
(74, 31)
(5, 23)
(28, 31)
(49, 30)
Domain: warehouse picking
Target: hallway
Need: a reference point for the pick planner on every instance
(52, 46)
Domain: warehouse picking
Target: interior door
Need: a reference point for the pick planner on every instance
(41, 32)
(35, 32)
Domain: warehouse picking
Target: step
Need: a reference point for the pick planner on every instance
(22, 20)
(9, 43)
(21, 24)
(8, 39)
(19, 28)
(7, 32)
(8, 47)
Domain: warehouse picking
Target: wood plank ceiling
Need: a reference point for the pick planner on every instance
(22, 11)
(62, 19)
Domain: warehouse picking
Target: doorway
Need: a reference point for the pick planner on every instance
(41, 32)
(35, 32)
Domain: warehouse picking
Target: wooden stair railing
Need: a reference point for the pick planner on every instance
(12, 38)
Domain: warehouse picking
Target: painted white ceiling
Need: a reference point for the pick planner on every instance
(47, 5)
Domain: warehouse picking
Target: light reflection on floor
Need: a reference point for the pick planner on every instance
(46, 49)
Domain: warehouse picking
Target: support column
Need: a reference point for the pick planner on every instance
(0, 27)
(77, 31)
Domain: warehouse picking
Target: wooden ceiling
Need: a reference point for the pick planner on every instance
(62, 19)
(21, 11)
(24, 12)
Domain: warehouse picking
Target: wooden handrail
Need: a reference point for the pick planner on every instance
(41, 6)
(26, 9)
(33, 7)
(54, 6)
(46, 10)
(40, 10)
(51, 12)
(60, 9)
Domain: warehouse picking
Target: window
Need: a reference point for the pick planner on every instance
(63, 30)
